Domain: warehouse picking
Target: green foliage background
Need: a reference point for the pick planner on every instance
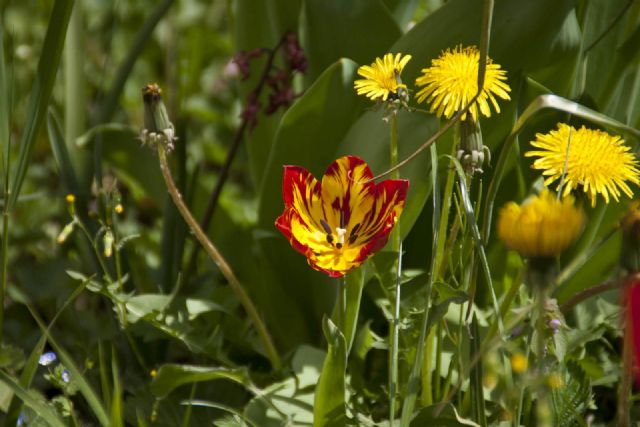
(74, 91)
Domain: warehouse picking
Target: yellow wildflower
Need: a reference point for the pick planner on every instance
(382, 77)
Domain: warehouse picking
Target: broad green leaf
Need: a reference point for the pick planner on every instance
(329, 405)
(369, 138)
(358, 29)
(171, 376)
(295, 296)
(402, 11)
(307, 365)
(41, 92)
(536, 28)
(441, 415)
(261, 24)
(143, 306)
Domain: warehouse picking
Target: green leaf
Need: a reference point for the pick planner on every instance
(261, 24)
(144, 306)
(84, 387)
(11, 357)
(307, 365)
(198, 306)
(135, 165)
(171, 376)
(369, 138)
(319, 119)
(329, 404)
(34, 401)
(360, 30)
(41, 92)
(441, 416)
(537, 28)
(59, 148)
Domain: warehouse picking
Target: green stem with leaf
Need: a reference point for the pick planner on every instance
(217, 257)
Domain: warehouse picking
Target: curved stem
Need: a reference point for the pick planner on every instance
(217, 257)
(588, 293)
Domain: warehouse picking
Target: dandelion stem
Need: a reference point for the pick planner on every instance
(217, 257)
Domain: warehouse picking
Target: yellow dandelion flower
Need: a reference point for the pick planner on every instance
(452, 80)
(542, 226)
(519, 363)
(597, 162)
(555, 381)
(70, 198)
(382, 77)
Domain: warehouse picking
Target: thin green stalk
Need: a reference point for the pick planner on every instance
(396, 246)
(217, 257)
(426, 397)
(438, 367)
(340, 303)
(414, 377)
(186, 419)
(5, 267)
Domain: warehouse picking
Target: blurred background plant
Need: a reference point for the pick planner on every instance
(99, 270)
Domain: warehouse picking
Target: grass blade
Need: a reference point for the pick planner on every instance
(41, 92)
(83, 385)
(5, 113)
(116, 402)
(61, 154)
(31, 364)
(29, 371)
(45, 411)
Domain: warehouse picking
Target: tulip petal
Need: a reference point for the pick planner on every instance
(338, 223)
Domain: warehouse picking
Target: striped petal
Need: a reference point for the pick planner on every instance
(338, 223)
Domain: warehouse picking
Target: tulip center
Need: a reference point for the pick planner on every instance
(338, 239)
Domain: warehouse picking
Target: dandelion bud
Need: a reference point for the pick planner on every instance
(66, 231)
(108, 243)
(157, 126)
(472, 150)
(119, 208)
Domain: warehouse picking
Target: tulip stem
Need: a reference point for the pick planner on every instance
(340, 303)
(217, 257)
(396, 246)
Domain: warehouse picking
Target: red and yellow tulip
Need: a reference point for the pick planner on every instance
(344, 219)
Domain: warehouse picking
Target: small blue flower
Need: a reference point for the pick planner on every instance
(47, 358)
(66, 376)
(20, 421)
